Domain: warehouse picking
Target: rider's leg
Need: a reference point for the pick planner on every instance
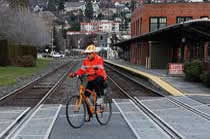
(89, 86)
(99, 86)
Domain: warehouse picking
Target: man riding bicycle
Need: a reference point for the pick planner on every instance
(93, 66)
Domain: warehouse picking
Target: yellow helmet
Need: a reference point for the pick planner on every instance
(90, 49)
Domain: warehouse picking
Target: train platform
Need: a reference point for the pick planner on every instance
(177, 86)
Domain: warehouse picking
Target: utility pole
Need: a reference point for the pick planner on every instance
(52, 39)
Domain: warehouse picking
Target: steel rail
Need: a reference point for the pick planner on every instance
(137, 82)
(10, 132)
(164, 126)
(174, 100)
(30, 113)
(31, 83)
(186, 106)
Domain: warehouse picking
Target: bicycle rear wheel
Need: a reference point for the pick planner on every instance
(104, 111)
(75, 112)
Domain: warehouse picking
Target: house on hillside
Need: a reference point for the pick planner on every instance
(96, 9)
(72, 6)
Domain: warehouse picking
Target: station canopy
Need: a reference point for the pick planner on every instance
(194, 30)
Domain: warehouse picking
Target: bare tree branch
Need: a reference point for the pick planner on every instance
(22, 26)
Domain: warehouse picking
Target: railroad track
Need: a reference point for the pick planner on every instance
(32, 95)
(158, 93)
(123, 81)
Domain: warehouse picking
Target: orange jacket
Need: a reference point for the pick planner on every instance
(88, 68)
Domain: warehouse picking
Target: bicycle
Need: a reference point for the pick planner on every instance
(78, 106)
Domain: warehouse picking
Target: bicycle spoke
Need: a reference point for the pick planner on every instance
(104, 112)
(75, 112)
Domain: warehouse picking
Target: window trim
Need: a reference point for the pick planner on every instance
(158, 21)
(204, 17)
(183, 17)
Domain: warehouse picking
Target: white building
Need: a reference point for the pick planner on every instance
(102, 26)
(72, 6)
(89, 27)
(96, 9)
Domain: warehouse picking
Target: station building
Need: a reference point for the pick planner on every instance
(165, 33)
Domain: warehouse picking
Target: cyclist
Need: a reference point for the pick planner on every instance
(93, 66)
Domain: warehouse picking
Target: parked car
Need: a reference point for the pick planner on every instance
(57, 55)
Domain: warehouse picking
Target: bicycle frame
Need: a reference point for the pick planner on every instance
(84, 104)
(83, 97)
(90, 108)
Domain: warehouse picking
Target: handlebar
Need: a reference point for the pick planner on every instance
(81, 77)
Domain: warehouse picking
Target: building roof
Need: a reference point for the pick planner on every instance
(197, 30)
(74, 4)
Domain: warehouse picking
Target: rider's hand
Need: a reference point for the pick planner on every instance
(72, 75)
(95, 68)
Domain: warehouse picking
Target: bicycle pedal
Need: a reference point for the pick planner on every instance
(88, 120)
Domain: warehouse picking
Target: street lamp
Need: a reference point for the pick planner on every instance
(79, 43)
(52, 41)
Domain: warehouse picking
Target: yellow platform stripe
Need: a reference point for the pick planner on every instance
(198, 94)
(163, 84)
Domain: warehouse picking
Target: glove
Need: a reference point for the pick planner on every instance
(95, 68)
(72, 75)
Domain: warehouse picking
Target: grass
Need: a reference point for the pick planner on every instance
(9, 74)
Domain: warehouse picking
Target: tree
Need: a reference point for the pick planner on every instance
(89, 10)
(23, 27)
(133, 5)
(52, 5)
(114, 16)
(58, 40)
(75, 26)
(100, 16)
(18, 4)
(61, 5)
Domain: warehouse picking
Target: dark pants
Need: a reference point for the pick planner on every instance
(97, 85)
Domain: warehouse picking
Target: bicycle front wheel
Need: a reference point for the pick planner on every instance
(104, 111)
(75, 112)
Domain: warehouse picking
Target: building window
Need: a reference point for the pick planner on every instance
(208, 51)
(140, 23)
(204, 17)
(157, 23)
(180, 19)
(200, 50)
(138, 27)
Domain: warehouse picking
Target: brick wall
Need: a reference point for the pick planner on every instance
(171, 11)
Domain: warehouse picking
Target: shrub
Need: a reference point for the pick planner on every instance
(17, 51)
(193, 70)
(4, 61)
(26, 61)
(205, 78)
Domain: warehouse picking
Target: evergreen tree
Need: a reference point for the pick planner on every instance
(61, 5)
(75, 26)
(100, 16)
(52, 5)
(133, 5)
(89, 10)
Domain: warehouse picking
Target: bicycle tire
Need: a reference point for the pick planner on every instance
(104, 117)
(72, 114)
